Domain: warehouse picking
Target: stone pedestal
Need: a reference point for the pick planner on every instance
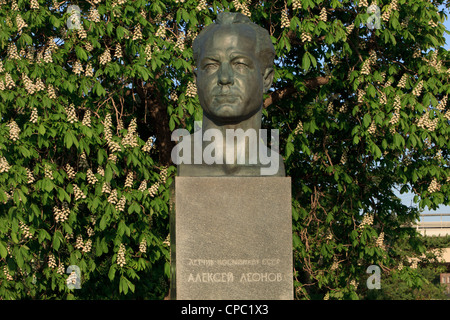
(231, 238)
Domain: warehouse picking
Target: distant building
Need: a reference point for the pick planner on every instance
(438, 229)
(445, 280)
(434, 228)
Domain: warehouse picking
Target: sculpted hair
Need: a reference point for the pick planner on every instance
(264, 46)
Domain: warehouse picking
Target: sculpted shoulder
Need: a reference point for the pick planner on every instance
(192, 163)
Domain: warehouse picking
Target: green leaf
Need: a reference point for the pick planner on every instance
(134, 207)
(289, 149)
(104, 245)
(313, 60)
(81, 54)
(120, 31)
(55, 21)
(103, 221)
(306, 62)
(109, 28)
(375, 150)
(56, 240)
(25, 39)
(22, 197)
(112, 272)
(123, 285)
(35, 209)
(101, 154)
(48, 184)
(98, 89)
(108, 173)
(62, 194)
(70, 139)
(398, 140)
(130, 285)
(166, 269)
(19, 258)
(296, 240)
(42, 235)
(294, 213)
(121, 228)
(14, 237)
(25, 152)
(367, 120)
(3, 251)
(41, 129)
(171, 123)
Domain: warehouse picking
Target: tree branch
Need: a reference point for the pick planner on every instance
(316, 82)
(279, 94)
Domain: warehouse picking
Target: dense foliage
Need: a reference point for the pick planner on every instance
(429, 267)
(87, 108)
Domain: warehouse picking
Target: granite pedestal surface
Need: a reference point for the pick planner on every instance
(231, 238)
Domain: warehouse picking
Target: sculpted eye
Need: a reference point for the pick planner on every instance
(240, 65)
(210, 66)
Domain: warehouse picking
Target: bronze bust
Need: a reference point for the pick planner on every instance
(234, 59)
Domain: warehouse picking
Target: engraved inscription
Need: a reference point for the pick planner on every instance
(211, 277)
(238, 275)
(226, 262)
(261, 277)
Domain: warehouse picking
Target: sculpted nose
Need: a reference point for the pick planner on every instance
(225, 75)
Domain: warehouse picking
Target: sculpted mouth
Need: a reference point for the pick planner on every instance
(225, 95)
(226, 98)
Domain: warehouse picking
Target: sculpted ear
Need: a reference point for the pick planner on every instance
(268, 79)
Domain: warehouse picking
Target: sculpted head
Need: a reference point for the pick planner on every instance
(234, 59)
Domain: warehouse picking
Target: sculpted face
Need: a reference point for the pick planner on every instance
(230, 82)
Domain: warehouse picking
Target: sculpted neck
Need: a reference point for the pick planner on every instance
(222, 148)
(253, 122)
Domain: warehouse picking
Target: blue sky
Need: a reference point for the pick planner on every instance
(447, 37)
